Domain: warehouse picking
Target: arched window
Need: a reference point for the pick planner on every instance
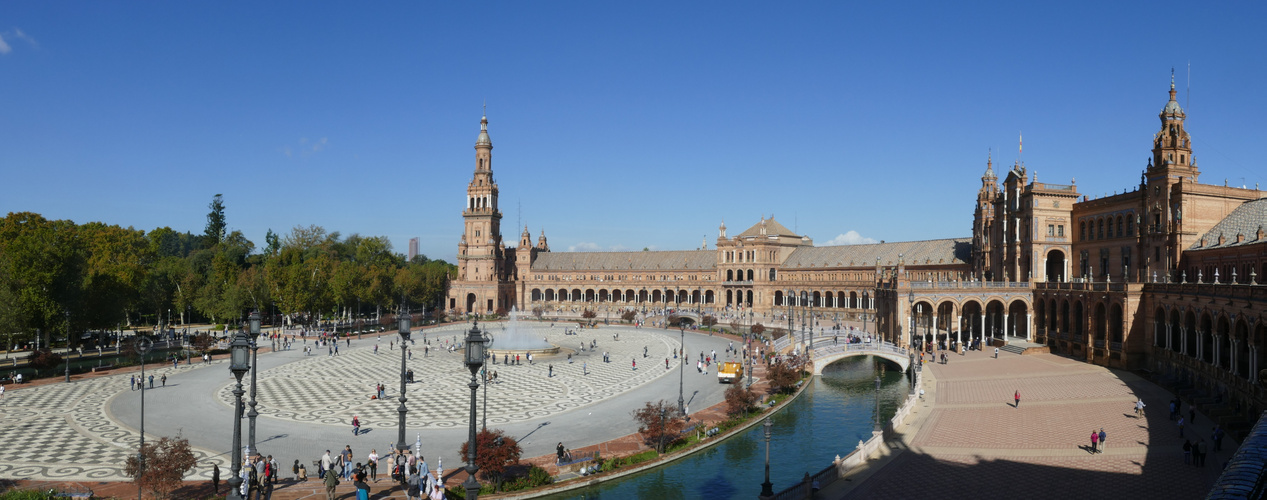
(1119, 226)
(1130, 225)
(1099, 231)
(1082, 231)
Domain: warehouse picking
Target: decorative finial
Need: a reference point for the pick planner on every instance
(1172, 78)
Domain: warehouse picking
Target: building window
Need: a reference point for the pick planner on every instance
(1060, 230)
(1099, 231)
(1082, 231)
(1130, 226)
(1051, 230)
(1119, 226)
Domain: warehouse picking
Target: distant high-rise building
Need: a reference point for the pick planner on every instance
(413, 248)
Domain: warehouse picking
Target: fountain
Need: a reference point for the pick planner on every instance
(514, 339)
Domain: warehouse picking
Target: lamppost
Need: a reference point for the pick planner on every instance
(662, 412)
(403, 329)
(681, 402)
(474, 360)
(142, 347)
(254, 320)
(239, 363)
(484, 376)
(877, 404)
(804, 298)
(67, 313)
(767, 488)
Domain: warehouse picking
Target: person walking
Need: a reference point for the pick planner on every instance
(372, 461)
(331, 481)
(1187, 452)
(356, 425)
(151, 381)
(1095, 439)
(215, 478)
(1102, 436)
(164, 379)
(1017, 397)
(1198, 455)
(1217, 436)
(1180, 425)
(1139, 408)
(326, 463)
(996, 353)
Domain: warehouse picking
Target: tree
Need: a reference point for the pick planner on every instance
(659, 424)
(203, 342)
(495, 451)
(739, 399)
(629, 315)
(588, 314)
(784, 374)
(709, 320)
(273, 243)
(216, 226)
(161, 466)
(758, 329)
(45, 266)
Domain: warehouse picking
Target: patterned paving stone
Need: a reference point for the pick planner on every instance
(63, 432)
(319, 389)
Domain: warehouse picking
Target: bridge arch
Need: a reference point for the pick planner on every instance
(823, 357)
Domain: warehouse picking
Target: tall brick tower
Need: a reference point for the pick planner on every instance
(983, 224)
(481, 253)
(1171, 165)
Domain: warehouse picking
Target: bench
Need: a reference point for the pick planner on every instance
(102, 368)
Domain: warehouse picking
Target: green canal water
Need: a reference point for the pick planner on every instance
(828, 419)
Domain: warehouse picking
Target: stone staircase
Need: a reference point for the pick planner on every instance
(1013, 348)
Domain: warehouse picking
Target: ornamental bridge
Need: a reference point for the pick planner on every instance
(824, 354)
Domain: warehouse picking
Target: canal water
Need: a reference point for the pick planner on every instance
(828, 419)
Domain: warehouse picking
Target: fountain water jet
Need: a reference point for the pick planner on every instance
(515, 339)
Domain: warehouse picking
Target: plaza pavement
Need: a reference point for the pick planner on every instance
(84, 430)
(967, 440)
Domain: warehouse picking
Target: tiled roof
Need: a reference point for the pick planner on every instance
(685, 260)
(1247, 219)
(915, 253)
(772, 228)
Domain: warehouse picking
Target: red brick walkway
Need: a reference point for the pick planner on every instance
(969, 441)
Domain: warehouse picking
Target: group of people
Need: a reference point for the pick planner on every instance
(138, 383)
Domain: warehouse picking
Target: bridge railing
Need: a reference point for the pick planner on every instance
(883, 347)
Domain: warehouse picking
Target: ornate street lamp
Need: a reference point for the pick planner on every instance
(67, 313)
(403, 329)
(254, 321)
(877, 404)
(474, 360)
(767, 488)
(681, 402)
(239, 363)
(142, 347)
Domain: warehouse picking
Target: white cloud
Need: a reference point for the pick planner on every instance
(15, 34)
(304, 147)
(851, 238)
(585, 247)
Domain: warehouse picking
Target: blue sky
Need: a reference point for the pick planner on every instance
(615, 125)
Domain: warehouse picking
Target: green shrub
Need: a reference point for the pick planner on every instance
(28, 495)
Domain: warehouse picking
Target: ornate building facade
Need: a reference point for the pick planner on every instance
(1163, 277)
